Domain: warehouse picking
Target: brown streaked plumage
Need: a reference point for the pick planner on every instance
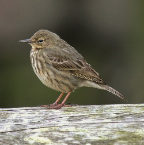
(59, 66)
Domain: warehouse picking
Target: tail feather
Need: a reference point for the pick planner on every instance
(104, 87)
(111, 90)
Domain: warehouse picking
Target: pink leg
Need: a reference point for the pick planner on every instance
(58, 99)
(63, 102)
(56, 102)
(58, 106)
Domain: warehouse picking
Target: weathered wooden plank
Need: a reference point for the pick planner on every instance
(98, 124)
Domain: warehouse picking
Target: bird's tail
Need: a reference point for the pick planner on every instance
(104, 87)
(111, 90)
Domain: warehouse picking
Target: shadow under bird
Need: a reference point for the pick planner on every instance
(59, 66)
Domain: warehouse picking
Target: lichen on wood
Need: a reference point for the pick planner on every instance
(103, 124)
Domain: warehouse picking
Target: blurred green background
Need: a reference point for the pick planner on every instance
(109, 34)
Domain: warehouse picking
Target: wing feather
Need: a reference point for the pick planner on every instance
(78, 68)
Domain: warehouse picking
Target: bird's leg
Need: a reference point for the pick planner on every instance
(58, 99)
(58, 106)
(55, 103)
(63, 102)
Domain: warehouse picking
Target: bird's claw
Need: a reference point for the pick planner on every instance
(56, 106)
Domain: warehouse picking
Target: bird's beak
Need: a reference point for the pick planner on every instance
(26, 41)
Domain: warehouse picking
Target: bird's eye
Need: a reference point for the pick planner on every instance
(41, 41)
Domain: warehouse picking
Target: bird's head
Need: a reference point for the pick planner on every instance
(42, 39)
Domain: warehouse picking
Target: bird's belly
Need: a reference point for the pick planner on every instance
(57, 80)
(51, 77)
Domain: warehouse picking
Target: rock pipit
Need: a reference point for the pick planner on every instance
(59, 66)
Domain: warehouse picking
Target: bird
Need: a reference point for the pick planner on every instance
(61, 67)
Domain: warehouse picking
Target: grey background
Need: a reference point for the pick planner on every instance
(109, 34)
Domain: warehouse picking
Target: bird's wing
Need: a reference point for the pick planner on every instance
(79, 68)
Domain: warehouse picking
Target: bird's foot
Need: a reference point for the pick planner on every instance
(52, 106)
(56, 106)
